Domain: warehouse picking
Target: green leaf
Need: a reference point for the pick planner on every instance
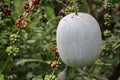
(29, 75)
(1, 77)
(31, 41)
(37, 78)
(116, 47)
(99, 62)
(48, 47)
(23, 61)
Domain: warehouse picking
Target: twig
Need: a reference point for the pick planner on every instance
(90, 4)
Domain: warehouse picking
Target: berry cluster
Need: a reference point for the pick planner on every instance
(13, 38)
(50, 77)
(7, 11)
(107, 16)
(20, 22)
(55, 64)
(28, 6)
(42, 16)
(107, 19)
(105, 48)
(55, 51)
(69, 9)
(12, 50)
(108, 6)
(107, 33)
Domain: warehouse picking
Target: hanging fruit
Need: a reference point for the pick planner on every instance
(78, 39)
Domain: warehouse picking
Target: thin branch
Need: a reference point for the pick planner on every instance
(90, 5)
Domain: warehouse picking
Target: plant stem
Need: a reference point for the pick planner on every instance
(4, 66)
(75, 7)
(18, 31)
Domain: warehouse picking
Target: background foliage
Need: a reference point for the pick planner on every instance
(30, 53)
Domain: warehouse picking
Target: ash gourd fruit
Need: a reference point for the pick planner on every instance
(78, 39)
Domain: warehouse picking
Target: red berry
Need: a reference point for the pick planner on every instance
(18, 20)
(25, 24)
(26, 5)
(27, 10)
(17, 24)
(21, 17)
(54, 49)
(7, 11)
(35, 2)
(62, 12)
(53, 64)
(57, 54)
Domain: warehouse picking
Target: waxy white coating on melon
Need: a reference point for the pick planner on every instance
(78, 39)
